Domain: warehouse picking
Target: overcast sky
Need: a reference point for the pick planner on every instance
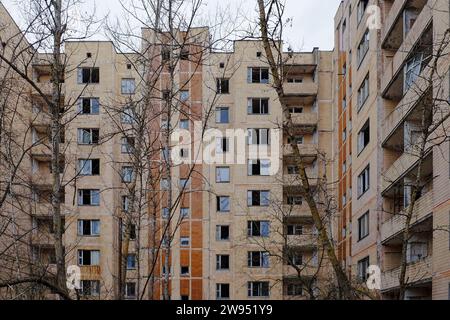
(312, 24)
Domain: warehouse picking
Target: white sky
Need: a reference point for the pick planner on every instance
(312, 25)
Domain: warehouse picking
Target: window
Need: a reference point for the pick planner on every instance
(184, 298)
(88, 55)
(258, 167)
(222, 145)
(90, 228)
(88, 257)
(293, 169)
(363, 92)
(294, 200)
(294, 230)
(363, 47)
(222, 115)
(416, 251)
(294, 290)
(223, 204)
(258, 136)
(258, 289)
(130, 290)
(258, 198)
(129, 66)
(127, 116)
(184, 270)
(296, 139)
(89, 167)
(184, 95)
(296, 259)
(90, 288)
(364, 182)
(128, 86)
(88, 197)
(184, 54)
(88, 75)
(412, 70)
(127, 174)
(223, 175)
(89, 106)
(221, 65)
(88, 136)
(131, 261)
(127, 145)
(184, 213)
(258, 259)
(165, 213)
(222, 233)
(258, 75)
(257, 106)
(362, 5)
(344, 135)
(222, 262)
(296, 110)
(364, 137)
(184, 124)
(223, 86)
(125, 203)
(258, 229)
(223, 291)
(363, 265)
(185, 183)
(165, 54)
(132, 231)
(363, 226)
(185, 241)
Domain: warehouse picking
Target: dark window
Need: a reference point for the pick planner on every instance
(223, 291)
(130, 290)
(363, 265)
(89, 228)
(258, 75)
(258, 106)
(90, 288)
(294, 230)
(363, 226)
(258, 289)
(222, 65)
(89, 75)
(364, 137)
(294, 289)
(258, 228)
(258, 198)
(89, 55)
(184, 270)
(223, 233)
(364, 181)
(184, 54)
(89, 106)
(258, 259)
(223, 86)
(87, 197)
(222, 262)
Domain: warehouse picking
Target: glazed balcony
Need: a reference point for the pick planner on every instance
(423, 208)
(417, 272)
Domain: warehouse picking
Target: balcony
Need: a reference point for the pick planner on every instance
(417, 272)
(300, 212)
(91, 273)
(398, 170)
(301, 89)
(395, 225)
(395, 65)
(41, 122)
(405, 108)
(42, 239)
(392, 32)
(307, 241)
(41, 209)
(306, 150)
(306, 123)
(42, 181)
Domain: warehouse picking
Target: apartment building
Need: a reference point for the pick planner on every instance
(385, 113)
(256, 220)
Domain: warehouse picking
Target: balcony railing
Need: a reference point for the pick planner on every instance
(297, 211)
(422, 208)
(309, 119)
(301, 89)
(398, 169)
(420, 271)
(90, 272)
(306, 150)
